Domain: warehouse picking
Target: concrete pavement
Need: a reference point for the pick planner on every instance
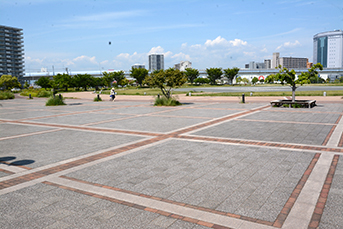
(213, 162)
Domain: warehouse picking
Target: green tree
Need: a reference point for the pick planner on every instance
(97, 82)
(286, 76)
(271, 78)
(245, 80)
(254, 80)
(119, 77)
(83, 80)
(107, 78)
(238, 80)
(191, 74)
(43, 82)
(139, 74)
(231, 73)
(9, 82)
(214, 74)
(63, 81)
(201, 81)
(26, 85)
(166, 80)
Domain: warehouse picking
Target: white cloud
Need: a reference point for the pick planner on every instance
(264, 50)
(155, 50)
(289, 45)
(238, 42)
(181, 56)
(109, 16)
(220, 41)
(85, 59)
(168, 54)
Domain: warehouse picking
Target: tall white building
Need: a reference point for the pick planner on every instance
(156, 62)
(328, 49)
(12, 52)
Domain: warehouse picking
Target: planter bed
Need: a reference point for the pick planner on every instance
(295, 104)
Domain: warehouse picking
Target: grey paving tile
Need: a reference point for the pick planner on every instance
(61, 145)
(266, 131)
(152, 124)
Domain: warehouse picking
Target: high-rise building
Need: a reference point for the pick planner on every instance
(12, 52)
(156, 62)
(328, 49)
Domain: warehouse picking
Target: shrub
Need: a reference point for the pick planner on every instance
(163, 101)
(57, 101)
(96, 99)
(36, 92)
(6, 95)
(44, 93)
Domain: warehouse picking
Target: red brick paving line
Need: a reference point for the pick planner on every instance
(6, 171)
(295, 194)
(250, 219)
(340, 144)
(338, 119)
(258, 143)
(20, 166)
(29, 134)
(325, 142)
(319, 209)
(140, 207)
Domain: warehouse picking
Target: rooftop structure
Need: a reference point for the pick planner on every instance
(183, 65)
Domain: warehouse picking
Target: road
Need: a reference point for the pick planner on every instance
(260, 89)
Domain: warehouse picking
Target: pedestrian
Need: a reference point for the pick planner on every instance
(112, 95)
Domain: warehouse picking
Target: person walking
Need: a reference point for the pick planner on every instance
(112, 95)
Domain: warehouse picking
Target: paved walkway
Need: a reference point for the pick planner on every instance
(211, 163)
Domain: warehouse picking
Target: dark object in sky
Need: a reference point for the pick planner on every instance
(109, 43)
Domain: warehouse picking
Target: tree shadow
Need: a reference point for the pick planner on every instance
(7, 158)
(22, 162)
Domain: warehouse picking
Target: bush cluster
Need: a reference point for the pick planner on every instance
(6, 95)
(36, 93)
(96, 99)
(163, 101)
(57, 101)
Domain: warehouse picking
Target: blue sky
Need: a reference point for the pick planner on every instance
(75, 34)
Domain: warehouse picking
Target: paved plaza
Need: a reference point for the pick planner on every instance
(210, 163)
